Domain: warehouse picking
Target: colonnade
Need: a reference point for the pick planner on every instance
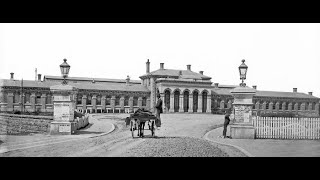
(195, 102)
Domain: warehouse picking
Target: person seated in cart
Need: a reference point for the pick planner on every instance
(158, 111)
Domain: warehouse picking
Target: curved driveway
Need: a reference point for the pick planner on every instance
(182, 132)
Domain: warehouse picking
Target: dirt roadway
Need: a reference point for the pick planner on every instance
(179, 136)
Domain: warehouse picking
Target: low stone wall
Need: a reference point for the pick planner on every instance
(83, 121)
(24, 124)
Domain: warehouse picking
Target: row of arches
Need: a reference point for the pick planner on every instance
(109, 99)
(269, 105)
(27, 97)
(185, 101)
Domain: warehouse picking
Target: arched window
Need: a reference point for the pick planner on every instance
(117, 101)
(79, 99)
(108, 100)
(38, 99)
(27, 98)
(280, 105)
(98, 102)
(16, 98)
(254, 105)
(49, 99)
(226, 104)
(195, 101)
(261, 106)
(89, 98)
(144, 101)
(186, 101)
(204, 101)
(126, 101)
(167, 98)
(267, 105)
(135, 101)
(176, 101)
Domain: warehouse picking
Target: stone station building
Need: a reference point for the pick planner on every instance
(183, 91)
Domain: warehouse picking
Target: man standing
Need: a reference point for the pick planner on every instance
(226, 123)
(158, 111)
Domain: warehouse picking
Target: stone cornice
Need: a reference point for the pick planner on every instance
(264, 98)
(106, 92)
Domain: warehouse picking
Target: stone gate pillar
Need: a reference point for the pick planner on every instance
(64, 104)
(242, 128)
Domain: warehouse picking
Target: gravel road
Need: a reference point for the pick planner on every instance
(179, 136)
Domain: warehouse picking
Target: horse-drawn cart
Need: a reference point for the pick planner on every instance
(138, 121)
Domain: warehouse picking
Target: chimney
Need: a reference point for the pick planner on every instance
(189, 67)
(39, 77)
(201, 72)
(161, 65)
(127, 80)
(310, 93)
(35, 76)
(11, 77)
(295, 89)
(216, 85)
(148, 66)
(254, 87)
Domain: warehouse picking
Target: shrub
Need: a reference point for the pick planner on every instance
(17, 112)
(219, 111)
(78, 114)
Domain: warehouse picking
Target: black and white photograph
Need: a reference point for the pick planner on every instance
(159, 89)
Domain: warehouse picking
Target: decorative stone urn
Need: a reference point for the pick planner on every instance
(242, 128)
(64, 104)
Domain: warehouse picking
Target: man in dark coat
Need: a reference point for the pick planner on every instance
(158, 111)
(226, 123)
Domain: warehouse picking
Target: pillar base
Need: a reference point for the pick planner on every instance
(62, 128)
(242, 131)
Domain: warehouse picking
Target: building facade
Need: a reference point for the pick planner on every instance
(183, 91)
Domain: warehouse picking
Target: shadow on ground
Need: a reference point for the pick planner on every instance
(88, 126)
(86, 132)
(157, 137)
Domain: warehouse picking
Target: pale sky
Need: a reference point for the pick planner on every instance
(279, 56)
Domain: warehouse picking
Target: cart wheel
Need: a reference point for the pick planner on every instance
(153, 129)
(132, 128)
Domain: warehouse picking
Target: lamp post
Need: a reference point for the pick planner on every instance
(243, 72)
(242, 128)
(64, 105)
(64, 68)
